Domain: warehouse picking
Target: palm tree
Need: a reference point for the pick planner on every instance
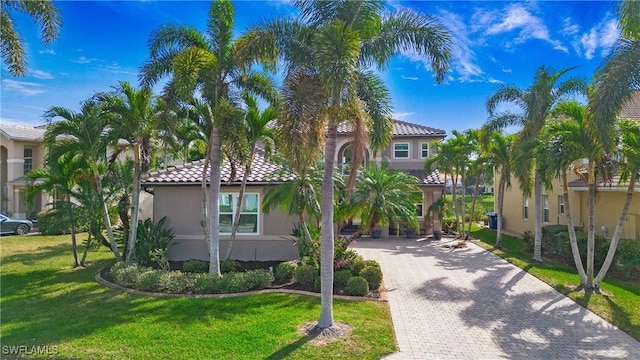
(134, 119)
(205, 64)
(444, 157)
(59, 174)
(536, 103)
(44, 12)
(333, 45)
(382, 194)
(499, 150)
(618, 76)
(257, 130)
(629, 165)
(85, 136)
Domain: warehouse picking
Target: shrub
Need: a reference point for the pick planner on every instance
(196, 266)
(341, 277)
(371, 263)
(305, 275)
(175, 282)
(449, 224)
(152, 237)
(258, 279)
(125, 274)
(228, 265)
(628, 256)
(357, 286)
(58, 222)
(234, 282)
(204, 283)
(373, 275)
(556, 241)
(285, 271)
(357, 265)
(317, 284)
(148, 280)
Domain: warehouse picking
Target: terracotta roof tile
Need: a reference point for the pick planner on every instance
(262, 171)
(425, 178)
(631, 109)
(401, 128)
(614, 184)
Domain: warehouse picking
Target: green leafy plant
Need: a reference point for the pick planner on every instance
(305, 275)
(227, 266)
(195, 266)
(357, 286)
(151, 237)
(285, 270)
(373, 275)
(341, 277)
(159, 256)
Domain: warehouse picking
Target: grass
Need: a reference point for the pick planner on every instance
(486, 201)
(47, 303)
(619, 304)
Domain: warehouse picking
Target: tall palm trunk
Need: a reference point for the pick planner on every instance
(236, 221)
(537, 239)
(135, 203)
(500, 207)
(214, 201)
(463, 205)
(105, 213)
(327, 235)
(454, 193)
(616, 233)
(572, 232)
(74, 244)
(476, 187)
(203, 193)
(591, 233)
(86, 248)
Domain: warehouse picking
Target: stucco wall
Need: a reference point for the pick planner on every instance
(182, 207)
(608, 209)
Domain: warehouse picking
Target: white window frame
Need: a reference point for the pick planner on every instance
(408, 150)
(27, 159)
(421, 204)
(525, 208)
(545, 209)
(561, 205)
(233, 210)
(422, 144)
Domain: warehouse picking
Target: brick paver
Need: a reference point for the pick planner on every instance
(470, 304)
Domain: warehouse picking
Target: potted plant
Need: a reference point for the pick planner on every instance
(438, 209)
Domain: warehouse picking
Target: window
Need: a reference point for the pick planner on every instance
(248, 213)
(401, 150)
(561, 204)
(420, 205)
(28, 160)
(545, 208)
(525, 210)
(424, 150)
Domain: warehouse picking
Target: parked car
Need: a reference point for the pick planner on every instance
(14, 226)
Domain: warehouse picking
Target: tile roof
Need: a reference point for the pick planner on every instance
(631, 109)
(262, 171)
(401, 128)
(614, 184)
(17, 132)
(426, 178)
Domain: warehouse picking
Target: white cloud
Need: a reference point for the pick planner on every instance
(22, 87)
(83, 60)
(412, 78)
(402, 115)
(603, 36)
(48, 52)
(569, 28)
(38, 74)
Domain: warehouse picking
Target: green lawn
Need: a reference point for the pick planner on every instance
(46, 303)
(485, 200)
(619, 303)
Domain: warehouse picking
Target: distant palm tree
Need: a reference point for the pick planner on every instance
(618, 76)
(44, 12)
(208, 65)
(536, 103)
(85, 136)
(334, 45)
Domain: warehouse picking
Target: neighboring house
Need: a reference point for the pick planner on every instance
(21, 150)
(519, 215)
(177, 196)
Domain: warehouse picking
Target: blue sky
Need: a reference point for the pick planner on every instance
(103, 42)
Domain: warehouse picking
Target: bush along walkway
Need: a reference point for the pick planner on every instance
(470, 304)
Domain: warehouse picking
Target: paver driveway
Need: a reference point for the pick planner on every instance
(470, 304)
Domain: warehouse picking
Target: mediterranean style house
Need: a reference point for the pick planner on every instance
(519, 215)
(177, 196)
(21, 150)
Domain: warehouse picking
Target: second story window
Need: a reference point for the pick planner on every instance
(28, 160)
(401, 150)
(545, 208)
(560, 204)
(525, 208)
(424, 150)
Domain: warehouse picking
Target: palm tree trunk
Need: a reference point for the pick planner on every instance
(204, 202)
(74, 244)
(454, 192)
(537, 239)
(500, 207)
(327, 235)
(616, 233)
(214, 201)
(476, 186)
(236, 220)
(463, 205)
(86, 248)
(572, 233)
(135, 204)
(591, 231)
(105, 213)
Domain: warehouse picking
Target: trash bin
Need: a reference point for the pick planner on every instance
(493, 221)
